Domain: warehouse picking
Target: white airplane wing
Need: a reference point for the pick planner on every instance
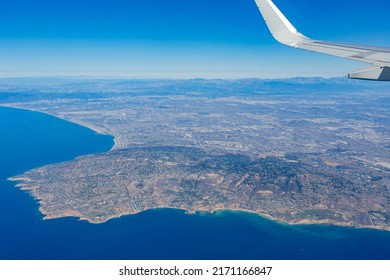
(285, 33)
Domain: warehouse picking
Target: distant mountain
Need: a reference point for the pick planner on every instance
(216, 87)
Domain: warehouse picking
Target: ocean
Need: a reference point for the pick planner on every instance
(30, 139)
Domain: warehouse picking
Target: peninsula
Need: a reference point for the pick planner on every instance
(297, 151)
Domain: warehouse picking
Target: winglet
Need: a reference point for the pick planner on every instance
(285, 33)
(278, 24)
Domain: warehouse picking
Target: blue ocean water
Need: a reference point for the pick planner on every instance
(29, 139)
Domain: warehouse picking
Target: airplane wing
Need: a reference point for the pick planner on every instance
(285, 33)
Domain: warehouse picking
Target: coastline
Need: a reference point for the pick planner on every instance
(216, 211)
(30, 189)
(304, 222)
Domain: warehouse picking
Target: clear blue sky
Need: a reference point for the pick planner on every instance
(179, 38)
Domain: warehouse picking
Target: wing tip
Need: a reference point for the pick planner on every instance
(280, 27)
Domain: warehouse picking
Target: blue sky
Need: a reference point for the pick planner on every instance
(178, 38)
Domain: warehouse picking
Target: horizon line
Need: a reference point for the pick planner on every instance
(123, 77)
